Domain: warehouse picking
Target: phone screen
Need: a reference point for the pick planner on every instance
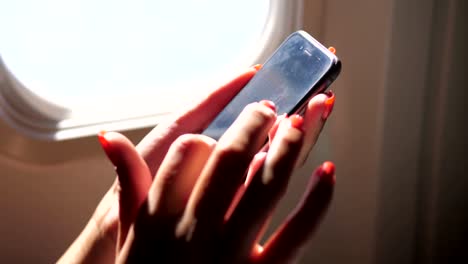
(289, 78)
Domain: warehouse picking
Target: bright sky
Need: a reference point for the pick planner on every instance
(68, 50)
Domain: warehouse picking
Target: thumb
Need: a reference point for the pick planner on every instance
(133, 175)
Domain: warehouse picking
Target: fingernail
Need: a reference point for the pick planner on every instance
(269, 104)
(296, 121)
(329, 103)
(332, 50)
(103, 140)
(105, 145)
(327, 172)
(257, 66)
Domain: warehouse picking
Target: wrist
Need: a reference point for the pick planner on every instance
(97, 242)
(91, 246)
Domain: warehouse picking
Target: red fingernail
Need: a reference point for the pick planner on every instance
(329, 103)
(269, 104)
(105, 145)
(257, 66)
(332, 50)
(327, 172)
(296, 121)
(103, 140)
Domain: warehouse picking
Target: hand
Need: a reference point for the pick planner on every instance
(97, 241)
(208, 174)
(135, 169)
(200, 209)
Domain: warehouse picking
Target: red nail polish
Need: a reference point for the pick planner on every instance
(332, 50)
(106, 146)
(103, 140)
(327, 172)
(257, 66)
(296, 121)
(329, 103)
(269, 104)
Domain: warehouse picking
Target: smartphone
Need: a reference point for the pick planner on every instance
(300, 68)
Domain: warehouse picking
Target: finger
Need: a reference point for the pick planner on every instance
(317, 112)
(287, 241)
(154, 146)
(255, 165)
(266, 188)
(178, 173)
(226, 168)
(155, 225)
(274, 128)
(133, 175)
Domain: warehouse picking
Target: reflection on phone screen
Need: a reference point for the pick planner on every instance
(287, 79)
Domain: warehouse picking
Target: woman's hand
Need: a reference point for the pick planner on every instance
(97, 242)
(165, 183)
(201, 209)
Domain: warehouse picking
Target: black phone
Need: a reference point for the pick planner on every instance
(300, 68)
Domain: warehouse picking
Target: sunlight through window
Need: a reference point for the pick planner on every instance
(126, 57)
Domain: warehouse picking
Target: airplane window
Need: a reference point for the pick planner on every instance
(105, 60)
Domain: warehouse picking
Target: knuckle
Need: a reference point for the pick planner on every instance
(254, 120)
(235, 149)
(186, 138)
(293, 139)
(189, 142)
(184, 141)
(260, 112)
(235, 155)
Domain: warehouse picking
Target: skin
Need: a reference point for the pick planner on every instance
(183, 197)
